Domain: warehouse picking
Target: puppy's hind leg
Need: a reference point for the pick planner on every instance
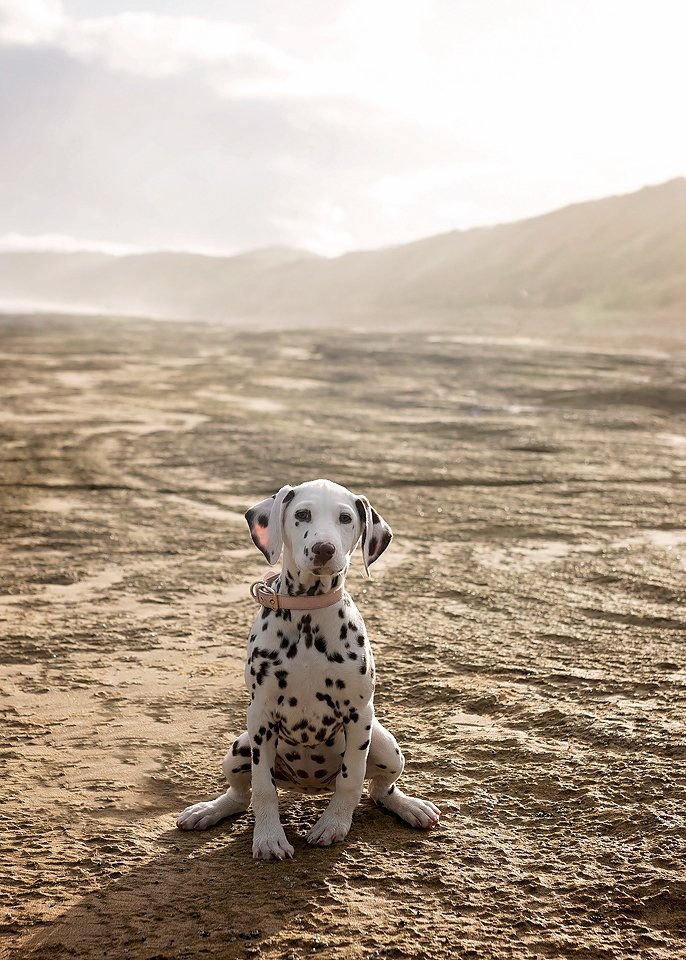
(385, 764)
(237, 770)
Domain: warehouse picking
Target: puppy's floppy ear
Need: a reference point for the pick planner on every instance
(376, 533)
(265, 521)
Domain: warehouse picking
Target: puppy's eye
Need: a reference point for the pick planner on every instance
(304, 515)
(345, 518)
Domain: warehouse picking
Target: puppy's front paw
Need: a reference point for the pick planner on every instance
(199, 816)
(271, 845)
(329, 829)
(202, 815)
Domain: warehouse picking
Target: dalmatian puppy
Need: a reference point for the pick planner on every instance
(310, 674)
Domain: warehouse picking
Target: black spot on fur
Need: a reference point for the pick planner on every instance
(244, 751)
(263, 520)
(344, 632)
(363, 746)
(318, 758)
(293, 702)
(340, 684)
(289, 496)
(263, 671)
(255, 756)
(319, 774)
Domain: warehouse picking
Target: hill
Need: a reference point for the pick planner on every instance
(620, 253)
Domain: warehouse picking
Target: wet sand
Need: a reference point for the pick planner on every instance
(528, 624)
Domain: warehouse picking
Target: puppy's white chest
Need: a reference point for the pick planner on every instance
(312, 671)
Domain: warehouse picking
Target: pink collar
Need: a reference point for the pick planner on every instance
(264, 593)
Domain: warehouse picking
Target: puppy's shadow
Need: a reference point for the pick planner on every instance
(202, 893)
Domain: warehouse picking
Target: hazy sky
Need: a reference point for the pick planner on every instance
(326, 124)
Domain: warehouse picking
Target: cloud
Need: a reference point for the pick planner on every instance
(19, 242)
(232, 59)
(31, 22)
(146, 44)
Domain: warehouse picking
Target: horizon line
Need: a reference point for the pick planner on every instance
(57, 243)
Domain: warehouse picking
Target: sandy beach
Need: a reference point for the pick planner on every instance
(528, 624)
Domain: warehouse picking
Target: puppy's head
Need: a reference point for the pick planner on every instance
(320, 524)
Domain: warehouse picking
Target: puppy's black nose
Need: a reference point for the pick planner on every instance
(323, 551)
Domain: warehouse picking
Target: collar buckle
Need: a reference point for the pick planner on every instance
(264, 594)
